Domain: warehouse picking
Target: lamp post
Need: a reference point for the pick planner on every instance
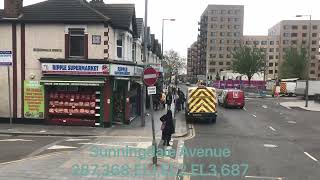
(163, 31)
(309, 59)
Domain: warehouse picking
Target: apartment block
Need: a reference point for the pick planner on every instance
(220, 32)
(270, 45)
(193, 61)
(295, 33)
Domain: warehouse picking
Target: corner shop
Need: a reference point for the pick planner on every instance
(91, 94)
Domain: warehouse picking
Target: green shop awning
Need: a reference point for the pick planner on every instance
(72, 81)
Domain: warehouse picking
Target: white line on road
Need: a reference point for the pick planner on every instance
(288, 107)
(264, 177)
(313, 158)
(270, 145)
(272, 128)
(15, 140)
(254, 115)
(244, 109)
(292, 122)
(73, 140)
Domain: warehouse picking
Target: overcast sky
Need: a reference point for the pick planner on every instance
(259, 15)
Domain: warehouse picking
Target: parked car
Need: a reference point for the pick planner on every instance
(231, 98)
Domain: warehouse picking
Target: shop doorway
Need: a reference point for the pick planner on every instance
(119, 105)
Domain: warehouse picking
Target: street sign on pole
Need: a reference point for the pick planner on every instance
(152, 90)
(150, 76)
(6, 60)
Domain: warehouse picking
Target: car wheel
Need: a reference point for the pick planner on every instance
(241, 107)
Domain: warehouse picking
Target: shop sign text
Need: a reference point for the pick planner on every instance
(121, 70)
(75, 69)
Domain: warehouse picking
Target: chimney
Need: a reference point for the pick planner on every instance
(12, 8)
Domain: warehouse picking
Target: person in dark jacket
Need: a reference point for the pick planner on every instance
(169, 100)
(182, 99)
(167, 128)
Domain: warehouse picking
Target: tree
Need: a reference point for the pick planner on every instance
(294, 64)
(248, 61)
(174, 62)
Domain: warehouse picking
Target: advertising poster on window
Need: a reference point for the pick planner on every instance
(33, 100)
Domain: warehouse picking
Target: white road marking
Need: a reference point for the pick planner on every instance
(15, 140)
(270, 145)
(265, 106)
(292, 122)
(272, 128)
(144, 145)
(288, 107)
(264, 177)
(43, 131)
(313, 158)
(254, 115)
(61, 147)
(73, 140)
(244, 109)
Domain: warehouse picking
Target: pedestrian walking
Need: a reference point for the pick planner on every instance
(177, 102)
(167, 127)
(169, 100)
(182, 99)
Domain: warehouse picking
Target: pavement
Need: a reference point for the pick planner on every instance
(116, 130)
(312, 106)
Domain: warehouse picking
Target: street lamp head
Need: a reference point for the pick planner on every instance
(172, 19)
(299, 15)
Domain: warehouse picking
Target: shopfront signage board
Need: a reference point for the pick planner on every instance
(150, 76)
(5, 58)
(33, 100)
(152, 90)
(138, 71)
(121, 70)
(74, 69)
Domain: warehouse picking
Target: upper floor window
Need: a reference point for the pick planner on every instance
(304, 27)
(77, 42)
(133, 52)
(119, 47)
(294, 27)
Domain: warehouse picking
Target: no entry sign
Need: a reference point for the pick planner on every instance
(150, 76)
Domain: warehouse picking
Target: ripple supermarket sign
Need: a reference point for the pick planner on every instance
(74, 69)
(121, 70)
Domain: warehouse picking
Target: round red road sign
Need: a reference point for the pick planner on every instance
(150, 76)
